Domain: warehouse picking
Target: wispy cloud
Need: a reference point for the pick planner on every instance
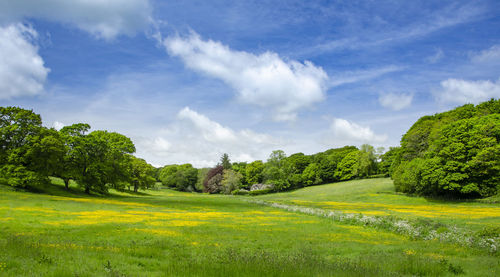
(348, 77)
(369, 37)
(490, 55)
(395, 101)
(438, 55)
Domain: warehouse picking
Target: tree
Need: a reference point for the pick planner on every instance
(225, 162)
(366, 161)
(329, 160)
(213, 180)
(182, 177)
(454, 153)
(241, 169)
(202, 173)
(75, 160)
(274, 169)
(294, 166)
(254, 172)
(388, 161)
(29, 153)
(141, 174)
(167, 175)
(95, 159)
(186, 177)
(348, 166)
(231, 180)
(311, 175)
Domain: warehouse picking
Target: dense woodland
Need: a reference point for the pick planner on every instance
(455, 153)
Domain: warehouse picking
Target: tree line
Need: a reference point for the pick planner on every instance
(454, 154)
(97, 160)
(280, 172)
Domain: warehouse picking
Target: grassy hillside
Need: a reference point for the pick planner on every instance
(376, 197)
(168, 233)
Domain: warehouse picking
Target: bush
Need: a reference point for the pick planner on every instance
(240, 192)
(259, 192)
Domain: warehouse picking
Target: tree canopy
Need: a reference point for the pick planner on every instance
(455, 153)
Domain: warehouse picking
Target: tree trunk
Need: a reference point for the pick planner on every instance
(136, 187)
(87, 190)
(66, 183)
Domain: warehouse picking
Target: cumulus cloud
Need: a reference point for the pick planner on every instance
(395, 101)
(196, 139)
(22, 70)
(265, 80)
(462, 91)
(350, 132)
(58, 125)
(104, 19)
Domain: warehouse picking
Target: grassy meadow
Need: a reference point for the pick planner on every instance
(170, 233)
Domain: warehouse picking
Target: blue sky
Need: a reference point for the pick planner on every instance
(190, 80)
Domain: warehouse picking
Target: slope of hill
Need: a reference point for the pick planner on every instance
(169, 233)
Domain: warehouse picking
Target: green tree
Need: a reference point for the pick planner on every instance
(311, 175)
(202, 174)
(274, 169)
(388, 161)
(167, 175)
(29, 153)
(95, 159)
(241, 168)
(254, 172)
(366, 161)
(225, 161)
(186, 177)
(141, 174)
(231, 180)
(348, 166)
(454, 153)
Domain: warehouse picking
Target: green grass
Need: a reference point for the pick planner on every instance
(169, 233)
(377, 197)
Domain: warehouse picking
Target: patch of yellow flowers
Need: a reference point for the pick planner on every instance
(435, 210)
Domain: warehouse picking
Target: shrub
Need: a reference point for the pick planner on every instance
(259, 192)
(240, 192)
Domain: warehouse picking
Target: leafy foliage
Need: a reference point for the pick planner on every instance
(213, 180)
(182, 177)
(453, 153)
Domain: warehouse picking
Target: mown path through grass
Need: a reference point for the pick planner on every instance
(168, 233)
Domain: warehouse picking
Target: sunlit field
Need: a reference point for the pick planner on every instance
(377, 198)
(169, 233)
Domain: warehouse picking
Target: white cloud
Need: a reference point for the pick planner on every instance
(436, 57)
(196, 139)
(104, 19)
(489, 55)
(265, 80)
(22, 70)
(211, 131)
(361, 75)
(462, 91)
(58, 125)
(395, 101)
(349, 132)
